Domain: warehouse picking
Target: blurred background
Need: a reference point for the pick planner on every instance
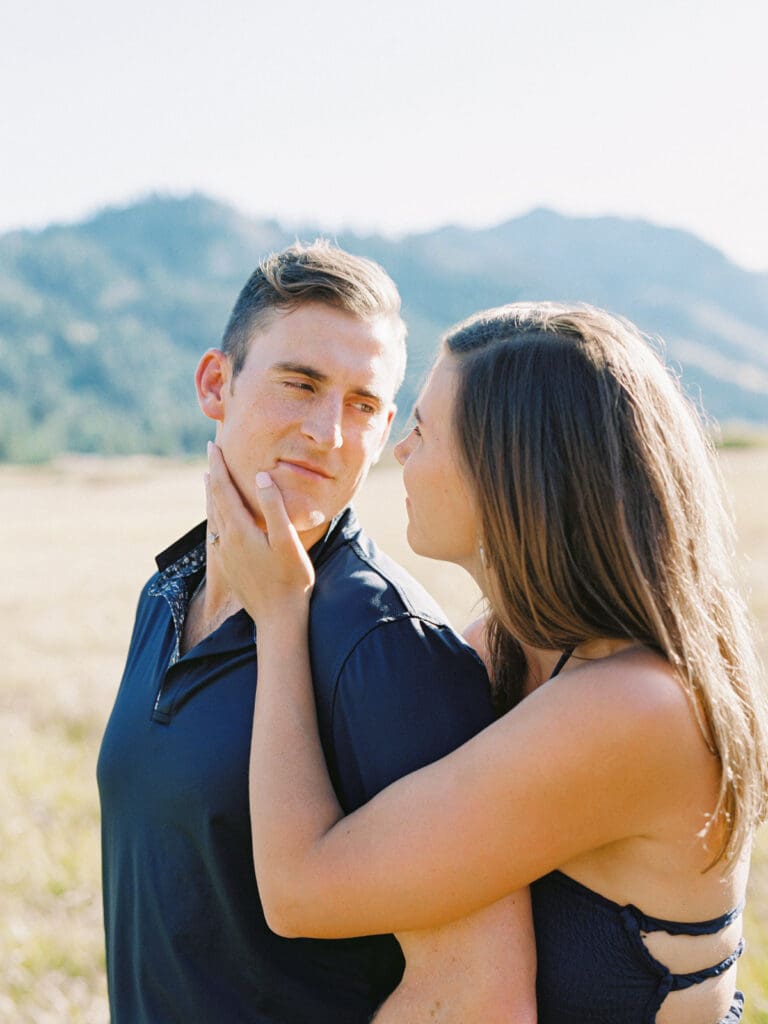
(152, 153)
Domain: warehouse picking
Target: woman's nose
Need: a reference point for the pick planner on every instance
(403, 450)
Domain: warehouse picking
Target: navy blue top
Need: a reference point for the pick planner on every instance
(185, 933)
(592, 963)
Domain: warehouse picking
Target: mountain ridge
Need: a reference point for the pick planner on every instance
(102, 321)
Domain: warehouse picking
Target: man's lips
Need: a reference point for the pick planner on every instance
(305, 468)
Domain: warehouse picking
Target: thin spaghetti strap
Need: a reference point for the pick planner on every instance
(564, 657)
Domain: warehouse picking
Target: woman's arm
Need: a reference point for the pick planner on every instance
(481, 967)
(569, 770)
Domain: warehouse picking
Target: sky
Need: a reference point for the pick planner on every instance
(394, 116)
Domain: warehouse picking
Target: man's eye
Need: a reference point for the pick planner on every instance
(365, 407)
(300, 385)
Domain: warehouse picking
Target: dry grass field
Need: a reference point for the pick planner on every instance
(77, 541)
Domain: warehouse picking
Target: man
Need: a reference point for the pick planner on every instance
(303, 385)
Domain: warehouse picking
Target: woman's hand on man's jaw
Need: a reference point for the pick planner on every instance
(269, 571)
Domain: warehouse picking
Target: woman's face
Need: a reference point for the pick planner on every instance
(442, 520)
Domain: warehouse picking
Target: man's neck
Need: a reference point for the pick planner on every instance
(217, 597)
(216, 593)
(211, 604)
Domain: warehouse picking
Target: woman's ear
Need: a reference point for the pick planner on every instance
(211, 383)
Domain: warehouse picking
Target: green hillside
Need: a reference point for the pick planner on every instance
(102, 322)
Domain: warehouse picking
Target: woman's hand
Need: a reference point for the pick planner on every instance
(269, 571)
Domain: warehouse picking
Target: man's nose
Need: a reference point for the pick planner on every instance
(322, 424)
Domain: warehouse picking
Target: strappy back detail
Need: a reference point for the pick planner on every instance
(636, 924)
(657, 924)
(593, 962)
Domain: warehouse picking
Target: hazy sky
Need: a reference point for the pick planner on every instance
(395, 115)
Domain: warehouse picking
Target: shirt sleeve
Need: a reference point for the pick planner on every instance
(408, 693)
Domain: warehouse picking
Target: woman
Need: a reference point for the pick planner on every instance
(555, 459)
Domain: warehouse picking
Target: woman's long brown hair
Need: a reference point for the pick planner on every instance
(602, 517)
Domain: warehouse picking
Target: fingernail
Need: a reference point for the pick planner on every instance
(263, 480)
(206, 478)
(208, 447)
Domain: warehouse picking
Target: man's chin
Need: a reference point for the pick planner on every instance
(312, 520)
(305, 518)
(310, 515)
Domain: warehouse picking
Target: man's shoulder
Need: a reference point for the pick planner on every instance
(360, 580)
(367, 605)
(396, 687)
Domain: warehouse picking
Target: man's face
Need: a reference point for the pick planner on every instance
(312, 405)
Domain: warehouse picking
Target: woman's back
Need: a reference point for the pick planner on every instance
(638, 930)
(597, 961)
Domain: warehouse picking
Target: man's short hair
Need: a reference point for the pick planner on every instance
(319, 272)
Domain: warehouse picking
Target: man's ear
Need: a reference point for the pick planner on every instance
(385, 434)
(212, 378)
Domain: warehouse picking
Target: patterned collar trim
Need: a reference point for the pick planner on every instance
(172, 585)
(189, 550)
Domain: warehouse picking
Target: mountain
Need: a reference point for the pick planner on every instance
(102, 322)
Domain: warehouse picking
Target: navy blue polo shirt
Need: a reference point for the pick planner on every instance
(396, 688)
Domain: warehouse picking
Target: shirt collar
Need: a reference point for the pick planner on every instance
(183, 557)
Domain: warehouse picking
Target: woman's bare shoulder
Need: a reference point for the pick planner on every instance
(637, 681)
(634, 702)
(636, 674)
